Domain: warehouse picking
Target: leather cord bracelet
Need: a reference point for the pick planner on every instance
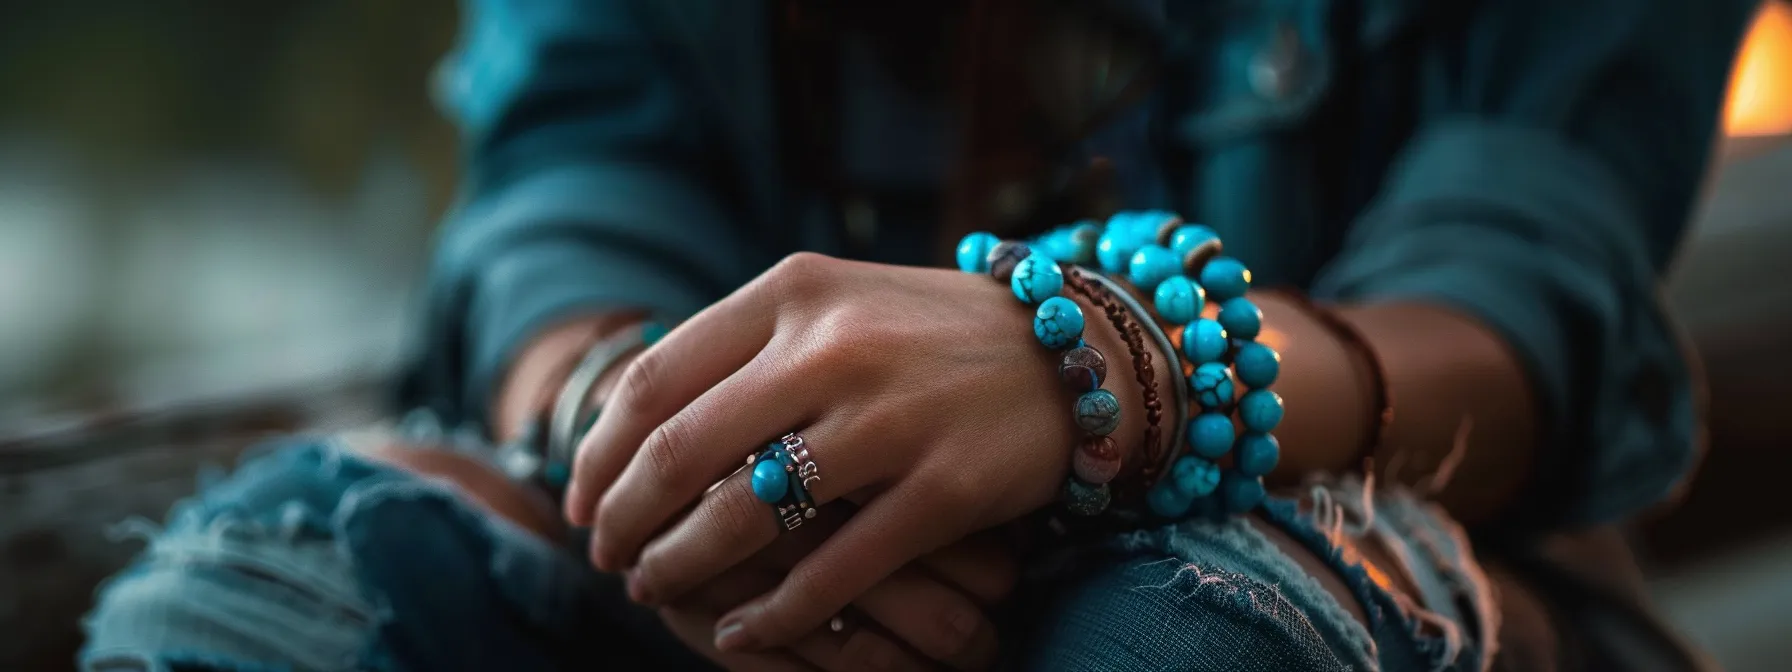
(1382, 396)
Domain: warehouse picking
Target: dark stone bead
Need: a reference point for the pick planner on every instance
(1083, 369)
(1097, 459)
(1084, 499)
(1098, 412)
(1005, 256)
(1196, 259)
(1166, 229)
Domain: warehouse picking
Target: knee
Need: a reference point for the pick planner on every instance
(1166, 612)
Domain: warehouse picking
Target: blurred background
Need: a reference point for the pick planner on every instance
(213, 219)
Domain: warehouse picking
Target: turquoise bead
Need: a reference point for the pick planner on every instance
(1225, 279)
(1188, 237)
(1152, 264)
(973, 251)
(1167, 501)
(1179, 300)
(1194, 476)
(1212, 385)
(1210, 435)
(1257, 364)
(557, 474)
(1058, 323)
(1240, 492)
(1260, 410)
(770, 482)
(1098, 412)
(1036, 279)
(1113, 252)
(1241, 318)
(1256, 454)
(1057, 245)
(1083, 239)
(1084, 499)
(1204, 341)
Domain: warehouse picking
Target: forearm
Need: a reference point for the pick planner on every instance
(1462, 404)
(540, 369)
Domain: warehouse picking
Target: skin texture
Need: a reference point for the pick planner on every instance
(863, 380)
(928, 613)
(908, 388)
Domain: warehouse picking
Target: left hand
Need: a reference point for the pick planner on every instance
(934, 607)
(922, 394)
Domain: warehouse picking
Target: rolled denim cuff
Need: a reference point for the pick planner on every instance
(1538, 241)
(574, 240)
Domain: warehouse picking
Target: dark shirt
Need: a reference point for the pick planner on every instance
(1529, 162)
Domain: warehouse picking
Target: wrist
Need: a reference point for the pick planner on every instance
(541, 368)
(1135, 364)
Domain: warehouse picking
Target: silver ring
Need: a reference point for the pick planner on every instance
(563, 421)
(807, 469)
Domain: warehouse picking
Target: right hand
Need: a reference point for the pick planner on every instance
(933, 607)
(924, 616)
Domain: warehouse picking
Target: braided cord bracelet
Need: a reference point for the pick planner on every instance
(1091, 287)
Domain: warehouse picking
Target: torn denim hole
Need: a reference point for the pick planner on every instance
(229, 595)
(1218, 554)
(1411, 531)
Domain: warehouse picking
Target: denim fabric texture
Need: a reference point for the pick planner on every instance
(310, 557)
(1530, 163)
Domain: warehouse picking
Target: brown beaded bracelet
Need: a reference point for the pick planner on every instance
(1144, 372)
(1353, 339)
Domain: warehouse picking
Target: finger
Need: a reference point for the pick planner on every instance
(693, 449)
(854, 649)
(980, 565)
(694, 629)
(661, 380)
(851, 648)
(729, 525)
(896, 528)
(933, 618)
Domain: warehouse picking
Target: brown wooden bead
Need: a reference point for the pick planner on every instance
(1083, 369)
(1097, 460)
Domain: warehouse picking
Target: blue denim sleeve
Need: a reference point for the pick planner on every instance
(1545, 196)
(588, 188)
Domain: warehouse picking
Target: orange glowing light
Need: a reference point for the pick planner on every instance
(1760, 98)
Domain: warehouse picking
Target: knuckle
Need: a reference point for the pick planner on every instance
(800, 274)
(667, 452)
(736, 512)
(866, 650)
(639, 385)
(953, 631)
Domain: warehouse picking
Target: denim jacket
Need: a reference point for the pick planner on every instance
(1529, 162)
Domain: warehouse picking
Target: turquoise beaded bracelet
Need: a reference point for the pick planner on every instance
(1058, 323)
(1179, 266)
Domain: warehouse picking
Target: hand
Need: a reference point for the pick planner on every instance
(922, 394)
(934, 607)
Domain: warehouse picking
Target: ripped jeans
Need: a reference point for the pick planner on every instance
(311, 557)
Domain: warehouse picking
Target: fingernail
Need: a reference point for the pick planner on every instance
(733, 637)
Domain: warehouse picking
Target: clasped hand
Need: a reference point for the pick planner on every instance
(923, 398)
